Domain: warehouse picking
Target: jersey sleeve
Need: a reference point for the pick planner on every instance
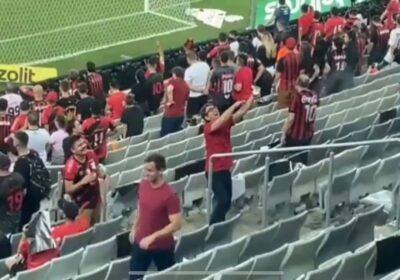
(173, 204)
(294, 104)
(70, 170)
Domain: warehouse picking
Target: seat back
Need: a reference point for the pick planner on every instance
(106, 230)
(40, 272)
(65, 267)
(97, 255)
(289, 229)
(191, 244)
(325, 272)
(119, 269)
(221, 233)
(226, 255)
(74, 242)
(99, 273)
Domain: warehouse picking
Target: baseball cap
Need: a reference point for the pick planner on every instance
(4, 162)
(70, 208)
(52, 97)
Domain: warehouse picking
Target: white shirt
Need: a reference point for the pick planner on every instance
(197, 76)
(256, 42)
(234, 46)
(394, 41)
(37, 141)
(14, 101)
(56, 141)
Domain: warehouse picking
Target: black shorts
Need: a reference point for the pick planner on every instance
(194, 105)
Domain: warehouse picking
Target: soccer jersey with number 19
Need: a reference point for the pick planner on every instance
(304, 107)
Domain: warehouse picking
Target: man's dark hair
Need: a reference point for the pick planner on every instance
(24, 106)
(153, 61)
(73, 139)
(3, 104)
(242, 59)
(83, 88)
(397, 18)
(96, 108)
(64, 85)
(224, 57)
(130, 100)
(282, 2)
(317, 15)
(91, 67)
(334, 11)
(158, 159)
(33, 118)
(353, 12)
(114, 84)
(70, 209)
(22, 138)
(261, 28)
(178, 71)
(60, 119)
(304, 8)
(243, 47)
(233, 34)
(202, 55)
(203, 109)
(231, 55)
(222, 37)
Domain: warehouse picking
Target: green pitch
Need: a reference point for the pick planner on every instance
(37, 33)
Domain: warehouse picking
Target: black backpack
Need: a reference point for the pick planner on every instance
(39, 175)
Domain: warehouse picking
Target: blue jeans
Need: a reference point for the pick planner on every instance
(171, 125)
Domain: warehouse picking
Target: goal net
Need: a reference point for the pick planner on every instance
(43, 31)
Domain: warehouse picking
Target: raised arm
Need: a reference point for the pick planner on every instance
(237, 117)
(225, 117)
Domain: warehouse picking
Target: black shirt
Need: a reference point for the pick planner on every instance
(11, 199)
(155, 90)
(66, 102)
(83, 107)
(133, 117)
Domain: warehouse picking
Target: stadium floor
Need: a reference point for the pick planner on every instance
(138, 48)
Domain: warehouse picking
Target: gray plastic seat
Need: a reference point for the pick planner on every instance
(139, 138)
(195, 154)
(395, 126)
(3, 267)
(136, 149)
(270, 118)
(238, 139)
(371, 107)
(252, 124)
(175, 148)
(152, 122)
(379, 131)
(344, 105)
(40, 272)
(351, 126)
(97, 255)
(336, 241)
(256, 134)
(364, 230)
(179, 185)
(116, 167)
(192, 131)
(395, 275)
(74, 242)
(157, 143)
(374, 152)
(194, 189)
(115, 156)
(325, 272)
(335, 119)
(348, 159)
(354, 113)
(259, 242)
(364, 182)
(263, 142)
(176, 137)
(221, 233)
(269, 262)
(360, 135)
(388, 171)
(196, 265)
(226, 255)
(191, 244)
(340, 192)
(135, 161)
(354, 266)
(243, 148)
(244, 164)
(275, 127)
(289, 229)
(128, 177)
(239, 272)
(106, 230)
(301, 257)
(97, 274)
(195, 142)
(5, 277)
(239, 129)
(320, 123)
(329, 134)
(279, 192)
(387, 103)
(65, 267)
(176, 160)
(325, 111)
(119, 269)
(167, 274)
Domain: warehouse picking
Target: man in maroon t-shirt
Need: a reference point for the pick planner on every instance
(158, 217)
(176, 97)
(81, 176)
(298, 129)
(217, 135)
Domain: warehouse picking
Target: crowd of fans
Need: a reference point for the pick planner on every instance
(70, 125)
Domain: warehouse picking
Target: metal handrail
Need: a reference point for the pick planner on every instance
(292, 149)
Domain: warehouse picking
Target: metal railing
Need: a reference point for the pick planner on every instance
(295, 149)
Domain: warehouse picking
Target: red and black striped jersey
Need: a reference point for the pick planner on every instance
(96, 86)
(289, 67)
(6, 122)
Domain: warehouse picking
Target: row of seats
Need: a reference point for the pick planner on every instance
(277, 251)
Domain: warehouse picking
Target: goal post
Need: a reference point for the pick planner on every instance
(49, 30)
